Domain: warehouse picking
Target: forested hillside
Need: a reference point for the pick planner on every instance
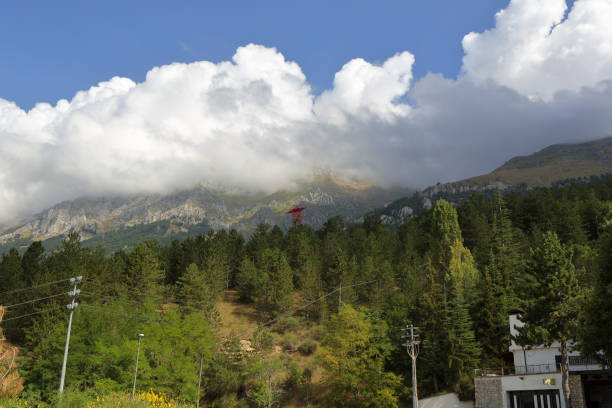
(323, 309)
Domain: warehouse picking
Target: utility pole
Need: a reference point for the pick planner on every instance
(71, 307)
(199, 381)
(412, 347)
(140, 336)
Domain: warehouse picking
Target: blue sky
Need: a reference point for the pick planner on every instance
(50, 50)
(539, 74)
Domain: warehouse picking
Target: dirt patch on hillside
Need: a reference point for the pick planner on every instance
(10, 381)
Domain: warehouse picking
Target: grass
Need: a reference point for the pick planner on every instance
(237, 317)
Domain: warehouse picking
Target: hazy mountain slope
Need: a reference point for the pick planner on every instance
(111, 221)
(553, 164)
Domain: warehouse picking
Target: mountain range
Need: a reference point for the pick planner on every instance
(118, 222)
(555, 164)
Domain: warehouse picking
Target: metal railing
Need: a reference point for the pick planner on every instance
(536, 369)
(516, 370)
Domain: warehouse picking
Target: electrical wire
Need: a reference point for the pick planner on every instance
(19, 317)
(33, 287)
(35, 300)
(286, 314)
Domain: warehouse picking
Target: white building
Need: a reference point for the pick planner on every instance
(535, 380)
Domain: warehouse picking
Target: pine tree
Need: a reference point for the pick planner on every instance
(552, 313)
(430, 310)
(491, 315)
(505, 250)
(463, 354)
(11, 272)
(31, 262)
(598, 314)
(451, 283)
(249, 281)
(312, 287)
(277, 296)
(449, 256)
(195, 293)
(145, 273)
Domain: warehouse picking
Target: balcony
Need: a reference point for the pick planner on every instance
(517, 370)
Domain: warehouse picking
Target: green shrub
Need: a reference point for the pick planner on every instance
(290, 341)
(308, 347)
(286, 324)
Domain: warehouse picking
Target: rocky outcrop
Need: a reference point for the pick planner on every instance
(462, 188)
(219, 209)
(397, 216)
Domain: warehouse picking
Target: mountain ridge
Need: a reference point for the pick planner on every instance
(553, 164)
(91, 217)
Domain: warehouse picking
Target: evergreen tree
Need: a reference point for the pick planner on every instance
(491, 315)
(11, 273)
(216, 265)
(449, 256)
(463, 354)
(278, 283)
(598, 313)
(31, 262)
(501, 280)
(430, 310)
(145, 273)
(249, 281)
(195, 293)
(552, 313)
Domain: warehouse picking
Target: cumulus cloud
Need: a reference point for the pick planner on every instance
(538, 77)
(366, 90)
(538, 50)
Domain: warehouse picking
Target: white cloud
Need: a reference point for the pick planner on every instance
(254, 123)
(366, 90)
(536, 51)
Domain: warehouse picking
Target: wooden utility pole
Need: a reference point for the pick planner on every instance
(199, 380)
(412, 347)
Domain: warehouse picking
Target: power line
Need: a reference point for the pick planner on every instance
(35, 300)
(315, 301)
(22, 316)
(33, 287)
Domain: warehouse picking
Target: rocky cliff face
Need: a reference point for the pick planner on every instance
(90, 217)
(554, 164)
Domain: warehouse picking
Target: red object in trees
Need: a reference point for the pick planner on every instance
(296, 214)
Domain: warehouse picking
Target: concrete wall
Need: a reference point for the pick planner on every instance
(489, 392)
(538, 356)
(492, 392)
(530, 382)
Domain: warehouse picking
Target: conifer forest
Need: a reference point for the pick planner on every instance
(309, 317)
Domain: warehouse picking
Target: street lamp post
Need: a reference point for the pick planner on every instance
(140, 336)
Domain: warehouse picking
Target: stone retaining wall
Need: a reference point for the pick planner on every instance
(576, 391)
(488, 392)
